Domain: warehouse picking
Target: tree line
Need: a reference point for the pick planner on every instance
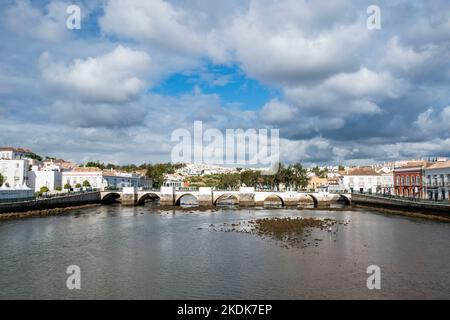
(293, 177)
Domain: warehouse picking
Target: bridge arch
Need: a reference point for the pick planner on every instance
(111, 197)
(314, 199)
(346, 199)
(146, 196)
(271, 197)
(227, 196)
(178, 200)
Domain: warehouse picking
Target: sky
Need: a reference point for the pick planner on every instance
(137, 70)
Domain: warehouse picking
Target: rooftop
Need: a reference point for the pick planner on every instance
(362, 171)
(439, 165)
(15, 149)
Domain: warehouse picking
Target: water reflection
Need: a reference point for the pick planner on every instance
(149, 253)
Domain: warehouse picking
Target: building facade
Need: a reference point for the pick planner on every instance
(437, 181)
(173, 180)
(20, 193)
(52, 179)
(14, 172)
(315, 182)
(408, 180)
(104, 179)
(363, 179)
(7, 153)
(387, 183)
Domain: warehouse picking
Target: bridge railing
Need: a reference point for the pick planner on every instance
(397, 197)
(47, 196)
(186, 189)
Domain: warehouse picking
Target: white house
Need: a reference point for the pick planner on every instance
(173, 180)
(361, 179)
(15, 193)
(7, 153)
(103, 179)
(51, 179)
(15, 172)
(437, 181)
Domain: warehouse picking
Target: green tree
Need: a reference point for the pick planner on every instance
(78, 186)
(35, 156)
(111, 166)
(157, 171)
(1, 180)
(249, 177)
(97, 164)
(44, 189)
(300, 176)
(67, 186)
(341, 168)
(230, 181)
(321, 173)
(86, 184)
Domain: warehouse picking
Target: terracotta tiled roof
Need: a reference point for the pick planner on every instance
(439, 165)
(86, 169)
(414, 164)
(362, 171)
(15, 149)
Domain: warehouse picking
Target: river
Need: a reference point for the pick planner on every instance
(146, 253)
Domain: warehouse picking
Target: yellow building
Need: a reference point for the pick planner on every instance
(315, 182)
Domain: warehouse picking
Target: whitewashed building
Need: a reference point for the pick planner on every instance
(52, 179)
(104, 179)
(173, 180)
(361, 179)
(437, 181)
(15, 172)
(7, 153)
(17, 193)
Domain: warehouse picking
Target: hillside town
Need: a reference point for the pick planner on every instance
(23, 174)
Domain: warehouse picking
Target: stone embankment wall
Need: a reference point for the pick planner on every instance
(51, 203)
(428, 207)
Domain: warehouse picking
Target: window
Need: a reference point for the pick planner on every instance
(407, 180)
(413, 180)
(403, 180)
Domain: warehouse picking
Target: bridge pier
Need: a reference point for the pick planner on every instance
(246, 197)
(205, 197)
(129, 196)
(167, 196)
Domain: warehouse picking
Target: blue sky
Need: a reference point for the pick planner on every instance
(228, 82)
(138, 70)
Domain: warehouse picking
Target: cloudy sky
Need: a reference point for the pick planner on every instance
(116, 89)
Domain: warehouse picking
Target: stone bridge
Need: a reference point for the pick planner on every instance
(206, 197)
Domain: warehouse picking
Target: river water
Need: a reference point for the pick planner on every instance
(146, 253)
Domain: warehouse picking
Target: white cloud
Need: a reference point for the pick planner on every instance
(111, 78)
(156, 21)
(29, 21)
(404, 58)
(277, 112)
(365, 83)
(434, 123)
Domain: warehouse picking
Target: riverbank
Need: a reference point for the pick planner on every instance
(43, 213)
(411, 207)
(418, 215)
(60, 202)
